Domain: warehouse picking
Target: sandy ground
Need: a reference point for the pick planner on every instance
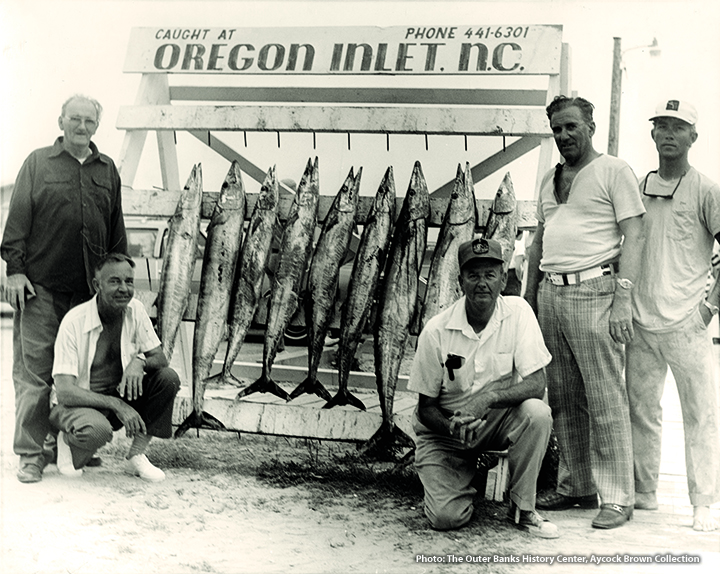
(213, 515)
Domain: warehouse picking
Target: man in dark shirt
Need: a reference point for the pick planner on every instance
(65, 214)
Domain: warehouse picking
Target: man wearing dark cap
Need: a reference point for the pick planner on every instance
(479, 372)
(671, 312)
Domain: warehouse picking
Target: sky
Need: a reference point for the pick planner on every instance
(51, 50)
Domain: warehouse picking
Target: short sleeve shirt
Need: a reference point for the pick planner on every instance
(509, 348)
(584, 232)
(79, 333)
(678, 249)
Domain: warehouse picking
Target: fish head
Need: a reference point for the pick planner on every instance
(269, 191)
(505, 201)
(191, 195)
(462, 200)
(417, 198)
(232, 192)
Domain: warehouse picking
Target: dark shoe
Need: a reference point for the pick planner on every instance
(29, 472)
(612, 516)
(556, 501)
(530, 521)
(94, 461)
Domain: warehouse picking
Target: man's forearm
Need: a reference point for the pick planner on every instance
(500, 395)
(433, 418)
(70, 395)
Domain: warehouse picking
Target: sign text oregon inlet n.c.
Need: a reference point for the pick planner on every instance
(412, 50)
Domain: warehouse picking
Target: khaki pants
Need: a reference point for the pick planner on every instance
(689, 354)
(446, 467)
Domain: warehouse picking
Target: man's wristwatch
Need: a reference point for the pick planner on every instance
(713, 308)
(624, 283)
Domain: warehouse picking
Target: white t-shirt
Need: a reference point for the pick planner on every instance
(584, 232)
(679, 238)
(511, 346)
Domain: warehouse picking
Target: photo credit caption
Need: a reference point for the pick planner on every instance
(596, 559)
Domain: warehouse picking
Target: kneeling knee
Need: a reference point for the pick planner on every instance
(169, 379)
(537, 411)
(446, 519)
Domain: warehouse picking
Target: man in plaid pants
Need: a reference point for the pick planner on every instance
(588, 244)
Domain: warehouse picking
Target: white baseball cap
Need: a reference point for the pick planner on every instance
(679, 109)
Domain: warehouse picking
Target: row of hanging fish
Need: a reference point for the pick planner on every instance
(386, 268)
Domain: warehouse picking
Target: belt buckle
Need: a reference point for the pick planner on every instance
(556, 279)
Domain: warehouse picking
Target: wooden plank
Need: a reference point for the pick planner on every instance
(159, 203)
(492, 164)
(385, 119)
(434, 96)
(264, 415)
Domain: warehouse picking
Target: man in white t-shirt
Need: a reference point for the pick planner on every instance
(588, 244)
(671, 314)
(479, 372)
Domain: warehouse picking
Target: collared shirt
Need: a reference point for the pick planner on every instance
(63, 216)
(79, 333)
(584, 232)
(678, 249)
(508, 348)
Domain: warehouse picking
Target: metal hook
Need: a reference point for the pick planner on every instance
(278, 138)
(245, 137)
(208, 136)
(426, 142)
(465, 136)
(175, 136)
(314, 141)
(348, 141)
(387, 141)
(503, 143)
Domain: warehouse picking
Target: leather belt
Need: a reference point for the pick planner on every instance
(579, 277)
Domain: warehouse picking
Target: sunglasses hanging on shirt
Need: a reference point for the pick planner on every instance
(662, 196)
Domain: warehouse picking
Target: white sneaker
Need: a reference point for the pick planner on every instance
(64, 458)
(139, 465)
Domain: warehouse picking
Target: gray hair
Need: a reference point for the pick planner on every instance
(94, 102)
(562, 102)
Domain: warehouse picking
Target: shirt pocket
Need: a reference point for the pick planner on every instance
(683, 223)
(100, 193)
(501, 366)
(56, 190)
(462, 378)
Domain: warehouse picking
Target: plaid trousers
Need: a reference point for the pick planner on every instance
(587, 391)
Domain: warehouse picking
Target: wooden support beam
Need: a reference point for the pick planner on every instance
(158, 203)
(231, 155)
(301, 94)
(493, 163)
(352, 119)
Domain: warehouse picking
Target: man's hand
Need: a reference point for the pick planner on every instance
(130, 419)
(705, 313)
(621, 328)
(466, 429)
(14, 291)
(130, 385)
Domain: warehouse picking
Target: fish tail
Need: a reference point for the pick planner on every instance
(263, 385)
(311, 385)
(345, 397)
(198, 421)
(387, 443)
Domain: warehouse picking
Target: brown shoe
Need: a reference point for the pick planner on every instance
(612, 516)
(555, 501)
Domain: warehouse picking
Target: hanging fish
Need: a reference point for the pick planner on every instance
(502, 221)
(398, 299)
(224, 236)
(329, 253)
(250, 272)
(179, 261)
(369, 262)
(443, 286)
(295, 250)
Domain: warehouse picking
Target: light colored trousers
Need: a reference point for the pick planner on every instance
(446, 467)
(586, 390)
(689, 354)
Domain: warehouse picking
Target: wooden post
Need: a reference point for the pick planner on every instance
(615, 96)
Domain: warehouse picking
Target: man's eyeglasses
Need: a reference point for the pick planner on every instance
(663, 196)
(76, 121)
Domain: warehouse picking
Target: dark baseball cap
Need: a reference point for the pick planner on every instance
(479, 248)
